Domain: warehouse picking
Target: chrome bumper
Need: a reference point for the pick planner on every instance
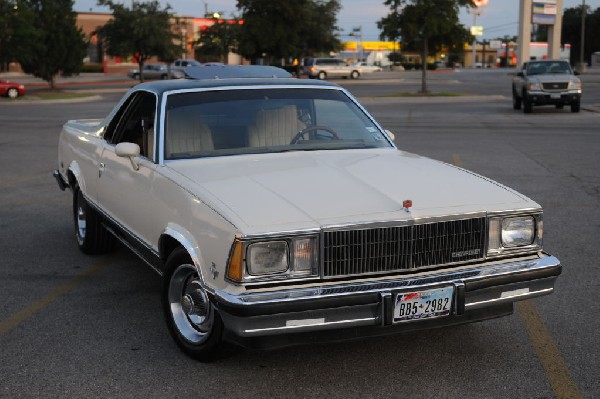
(61, 183)
(478, 292)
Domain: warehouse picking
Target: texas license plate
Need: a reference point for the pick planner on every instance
(424, 304)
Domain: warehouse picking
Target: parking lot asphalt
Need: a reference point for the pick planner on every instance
(79, 326)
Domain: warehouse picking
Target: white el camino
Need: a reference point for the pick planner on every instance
(278, 211)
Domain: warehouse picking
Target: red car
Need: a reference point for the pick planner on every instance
(11, 89)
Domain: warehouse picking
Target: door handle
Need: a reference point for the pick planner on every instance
(101, 169)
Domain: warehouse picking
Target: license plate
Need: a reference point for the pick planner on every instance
(424, 304)
(555, 95)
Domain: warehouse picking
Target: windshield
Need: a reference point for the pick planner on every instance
(249, 121)
(537, 68)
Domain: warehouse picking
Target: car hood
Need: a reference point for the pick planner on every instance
(557, 77)
(304, 190)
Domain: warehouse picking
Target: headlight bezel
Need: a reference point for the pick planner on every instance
(302, 256)
(496, 244)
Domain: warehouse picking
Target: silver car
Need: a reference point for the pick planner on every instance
(155, 71)
(322, 68)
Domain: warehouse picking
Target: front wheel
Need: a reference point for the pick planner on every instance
(322, 75)
(92, 236)
(516, 101)
(354, 75)
(527, 105)
(192, 320)
(576, 106)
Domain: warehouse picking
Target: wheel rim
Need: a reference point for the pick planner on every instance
(13, 93)
(190, 307)
(81, 218)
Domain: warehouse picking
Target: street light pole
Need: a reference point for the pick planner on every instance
(581, 52)
(475, 12)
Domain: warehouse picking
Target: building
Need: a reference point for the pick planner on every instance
(373, 53)
(506, 55)
(190, 29)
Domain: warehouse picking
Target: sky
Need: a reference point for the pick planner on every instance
(499, 17)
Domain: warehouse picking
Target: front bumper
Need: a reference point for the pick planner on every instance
(354, 310)
(546, 98)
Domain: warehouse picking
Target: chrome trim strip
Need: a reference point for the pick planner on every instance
(312, 326)
(133, 249)
(113, 223)
(510, 298)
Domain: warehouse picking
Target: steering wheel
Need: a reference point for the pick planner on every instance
(314, 128)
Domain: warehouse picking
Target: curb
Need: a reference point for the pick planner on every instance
(432, 99)
(65, 101)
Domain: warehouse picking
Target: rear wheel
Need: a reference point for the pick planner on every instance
(576, 106)
(12, 93)
(192, 320)
(92, 236)
(354, 75)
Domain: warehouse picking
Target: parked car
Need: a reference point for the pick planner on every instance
(546, 83)
(11, 89)
(363, 67)
(155, 71)
(278, 211)
(323, 68)
(181, 64)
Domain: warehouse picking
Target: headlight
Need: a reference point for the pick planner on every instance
(288, 258)
(267, 258)
(575, 85)
(517, 231)
(514, 233)
(534, 86)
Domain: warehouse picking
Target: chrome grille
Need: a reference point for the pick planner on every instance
(555, 86)
(389, 249)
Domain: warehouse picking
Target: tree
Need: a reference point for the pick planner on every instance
(18, 35)
(217, 40)
(427, 25)
(143, 31)
(271, 28)
(571, 32)
(59, 46)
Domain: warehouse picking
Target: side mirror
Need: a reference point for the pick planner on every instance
(576, 73)
(391, 135)
(128, 150)
(521, 74)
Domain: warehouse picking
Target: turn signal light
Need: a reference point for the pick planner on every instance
(235, 267)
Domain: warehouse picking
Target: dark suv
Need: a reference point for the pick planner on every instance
(322, 68)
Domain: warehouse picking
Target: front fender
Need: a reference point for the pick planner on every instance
(187, 241)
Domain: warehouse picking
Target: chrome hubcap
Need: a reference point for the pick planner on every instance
(81, 219)
(190, 307)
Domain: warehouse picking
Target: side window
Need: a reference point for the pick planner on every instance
(136, 124)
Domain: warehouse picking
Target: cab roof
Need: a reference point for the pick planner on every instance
(230, 75)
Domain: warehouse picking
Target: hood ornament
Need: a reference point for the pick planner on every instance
(407, 204)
